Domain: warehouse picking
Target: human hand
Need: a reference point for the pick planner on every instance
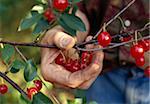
(57, 74)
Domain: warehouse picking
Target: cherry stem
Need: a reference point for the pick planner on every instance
(13, 84)
(121, 22)
(115, 17)
(20, 53)
(136, 37)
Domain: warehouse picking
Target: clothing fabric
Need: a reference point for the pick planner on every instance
(124, 85)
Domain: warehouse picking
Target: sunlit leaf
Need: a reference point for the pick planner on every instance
(7, 52)
(28, 22)
(40, 98)
(30, 71)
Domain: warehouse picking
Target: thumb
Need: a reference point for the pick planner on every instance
(63, 40)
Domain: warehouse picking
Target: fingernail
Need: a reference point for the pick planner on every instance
(65, 41)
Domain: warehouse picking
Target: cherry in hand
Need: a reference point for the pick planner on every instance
(38, 84)
(104, 39)
(3, 89)
(60, 5)
(60, 60)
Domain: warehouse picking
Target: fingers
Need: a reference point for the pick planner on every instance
(64, 41)
(87, 84)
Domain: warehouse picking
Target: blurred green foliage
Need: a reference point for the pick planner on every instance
(11, 13)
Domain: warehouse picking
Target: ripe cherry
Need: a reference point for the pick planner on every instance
(38, 84)
(147, 71)
(137, 51)
(140, 61)
(145, 44)
(60, 5)
(3, 88)
(31, 91)
(75, 66)
(83, 65)
(86, 58)
(49, 15)
(60, 60)
(68, 64)
(104, 39)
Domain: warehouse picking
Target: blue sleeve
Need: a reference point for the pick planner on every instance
(117, 87)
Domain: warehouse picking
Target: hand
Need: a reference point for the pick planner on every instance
(57, 74)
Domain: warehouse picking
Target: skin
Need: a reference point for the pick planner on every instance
(57, 74)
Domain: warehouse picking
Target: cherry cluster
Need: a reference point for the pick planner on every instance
(74, 65)
(137, 52)
(59, 5)
(33, 90)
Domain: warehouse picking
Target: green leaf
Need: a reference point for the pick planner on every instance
(40, 27)
(25, 99)
(7, 52)
(40, 98)
(73, 22)
(30, 71)
(69, 30)
(75, 8)
(28, 22)
(16, 66)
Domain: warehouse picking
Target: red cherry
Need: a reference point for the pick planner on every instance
(147, 71)
(3, 88)
(90, 58)
(60, 5)
(137, 51)
(31, 91)
(38, 84)
(75, 66)
(140, 61)
(49, 15)
(84, 57)
(145, 44)
(68, 64)
(104, 39)
(60, 60)
(83, 65)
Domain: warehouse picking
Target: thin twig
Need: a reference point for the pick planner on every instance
(20, 53)
(115, 17)
(13, 84)
(28, 44)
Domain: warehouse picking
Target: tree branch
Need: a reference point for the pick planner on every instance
(13, 84)
(113, 46)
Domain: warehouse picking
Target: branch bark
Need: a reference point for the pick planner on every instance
(13, 84)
